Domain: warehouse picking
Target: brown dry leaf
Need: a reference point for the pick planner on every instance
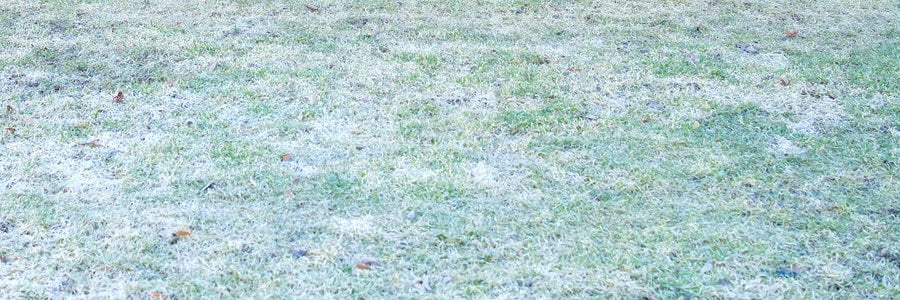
(10, 130)
(286, 157)
(791, 34)
(310, 7)
(365, 263)
(154, 295)
(119, 98)
(181, 233)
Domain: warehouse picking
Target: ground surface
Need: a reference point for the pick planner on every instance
(577, 149)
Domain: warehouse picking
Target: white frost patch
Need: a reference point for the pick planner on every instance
(786, 147)
(808, 114)
(364, 225)
(164, 221)
(410, 174)
(484, 175)
(767, 61)
(817, 116)
(307, 171)
(86, 180)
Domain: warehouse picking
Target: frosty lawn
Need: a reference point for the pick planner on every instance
(483, 149)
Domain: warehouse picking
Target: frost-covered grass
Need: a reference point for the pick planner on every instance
(484, 149)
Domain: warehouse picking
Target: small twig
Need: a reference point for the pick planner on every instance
(310, 7)
(206, 187)
(92, 144)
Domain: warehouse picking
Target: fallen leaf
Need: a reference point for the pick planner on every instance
(9, 109)
(154, 295)
(310, 7)
(791, 34)
(119, 98)
(365, 262)
(286, 157)
(10, 130)
(178, 236)
(695, 125)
